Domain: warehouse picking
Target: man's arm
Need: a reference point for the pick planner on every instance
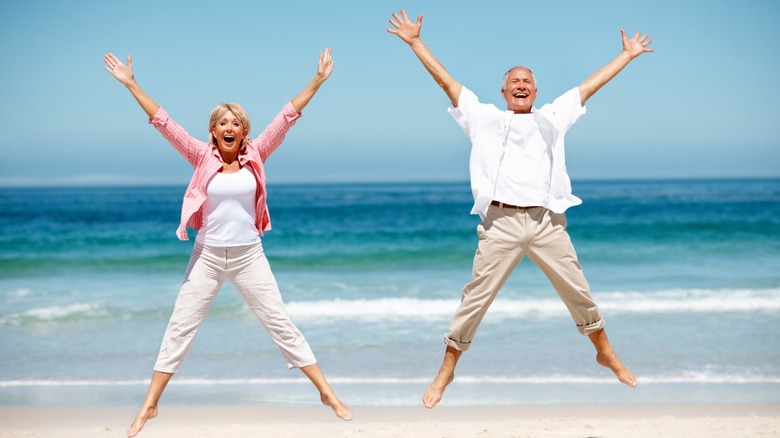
(631, 49)
(410, 33)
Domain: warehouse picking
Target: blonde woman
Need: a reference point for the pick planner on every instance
(226, 202)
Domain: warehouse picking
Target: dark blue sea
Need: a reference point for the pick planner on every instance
(687, 274)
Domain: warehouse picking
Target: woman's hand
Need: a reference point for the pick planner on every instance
(123, 73)
(325, 66)
(324, 69)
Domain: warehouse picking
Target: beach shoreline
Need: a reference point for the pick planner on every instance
(700, 420)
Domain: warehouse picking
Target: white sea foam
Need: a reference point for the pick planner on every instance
(78, 311)
(20, 293)
(681, 377)
(682, 300)
(407, 308)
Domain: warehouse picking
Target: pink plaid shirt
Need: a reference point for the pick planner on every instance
(207, 162)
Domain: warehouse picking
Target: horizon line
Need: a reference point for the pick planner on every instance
(79, 182)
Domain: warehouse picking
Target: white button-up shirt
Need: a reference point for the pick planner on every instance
(488, 129)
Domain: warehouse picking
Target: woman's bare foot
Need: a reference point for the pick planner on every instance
(435, 391)
(327, 396)
(622, 372)
(140, 420)
(338, 407)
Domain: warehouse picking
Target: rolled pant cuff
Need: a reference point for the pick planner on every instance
(591, 328)
(165, 370)
(300, 364)
(462, 346)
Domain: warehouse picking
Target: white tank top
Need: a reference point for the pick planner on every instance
(229, 213)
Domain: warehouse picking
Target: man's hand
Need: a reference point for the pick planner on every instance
(636, 45)
(404, 28)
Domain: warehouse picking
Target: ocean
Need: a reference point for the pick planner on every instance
(687, 274)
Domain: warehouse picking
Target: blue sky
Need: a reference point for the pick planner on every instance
(703, 105)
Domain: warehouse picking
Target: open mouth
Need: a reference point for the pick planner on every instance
(228, 139)
(520, 95)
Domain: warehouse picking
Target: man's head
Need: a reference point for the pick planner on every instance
(519, 89)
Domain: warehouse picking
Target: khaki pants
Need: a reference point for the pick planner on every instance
(506, 235)
(248, 269)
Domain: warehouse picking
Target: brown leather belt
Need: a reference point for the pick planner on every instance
(504, 205)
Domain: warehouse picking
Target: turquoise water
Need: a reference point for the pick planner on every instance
(687, 274)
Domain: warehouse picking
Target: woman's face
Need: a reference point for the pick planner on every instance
(229, 132)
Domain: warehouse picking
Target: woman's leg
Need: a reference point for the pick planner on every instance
(251, 275)
(202, 281)
(205, 275)
(149, 408)
(327, 396)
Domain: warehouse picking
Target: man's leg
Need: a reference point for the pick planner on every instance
(606, 357)
(499, 251)
(554, 253)
(435, 391)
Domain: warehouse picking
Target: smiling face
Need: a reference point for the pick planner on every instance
(229, 128)
(519, 90)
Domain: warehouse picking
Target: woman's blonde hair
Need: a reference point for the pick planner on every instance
(237, 111)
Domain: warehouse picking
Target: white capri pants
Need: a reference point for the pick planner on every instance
(248, 269)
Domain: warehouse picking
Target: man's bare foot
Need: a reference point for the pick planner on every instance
(435, 391)
(622, 372)
(140, 420)
(338, 407)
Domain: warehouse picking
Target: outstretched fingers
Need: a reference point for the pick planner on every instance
(637, 45)
(644, 40)
(396, 22)
(122, 72)
(325, 64)
(404, 27)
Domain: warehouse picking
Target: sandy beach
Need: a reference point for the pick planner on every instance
(744, 420)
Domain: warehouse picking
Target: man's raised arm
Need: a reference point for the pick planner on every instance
(410, 33)
(631, 49)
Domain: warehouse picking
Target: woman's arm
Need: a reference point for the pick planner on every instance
(324, 69)
(124, 74)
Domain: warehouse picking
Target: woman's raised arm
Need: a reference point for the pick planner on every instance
(124, 74)
(324, 69)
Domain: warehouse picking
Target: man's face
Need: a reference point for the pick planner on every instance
(520, 91)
